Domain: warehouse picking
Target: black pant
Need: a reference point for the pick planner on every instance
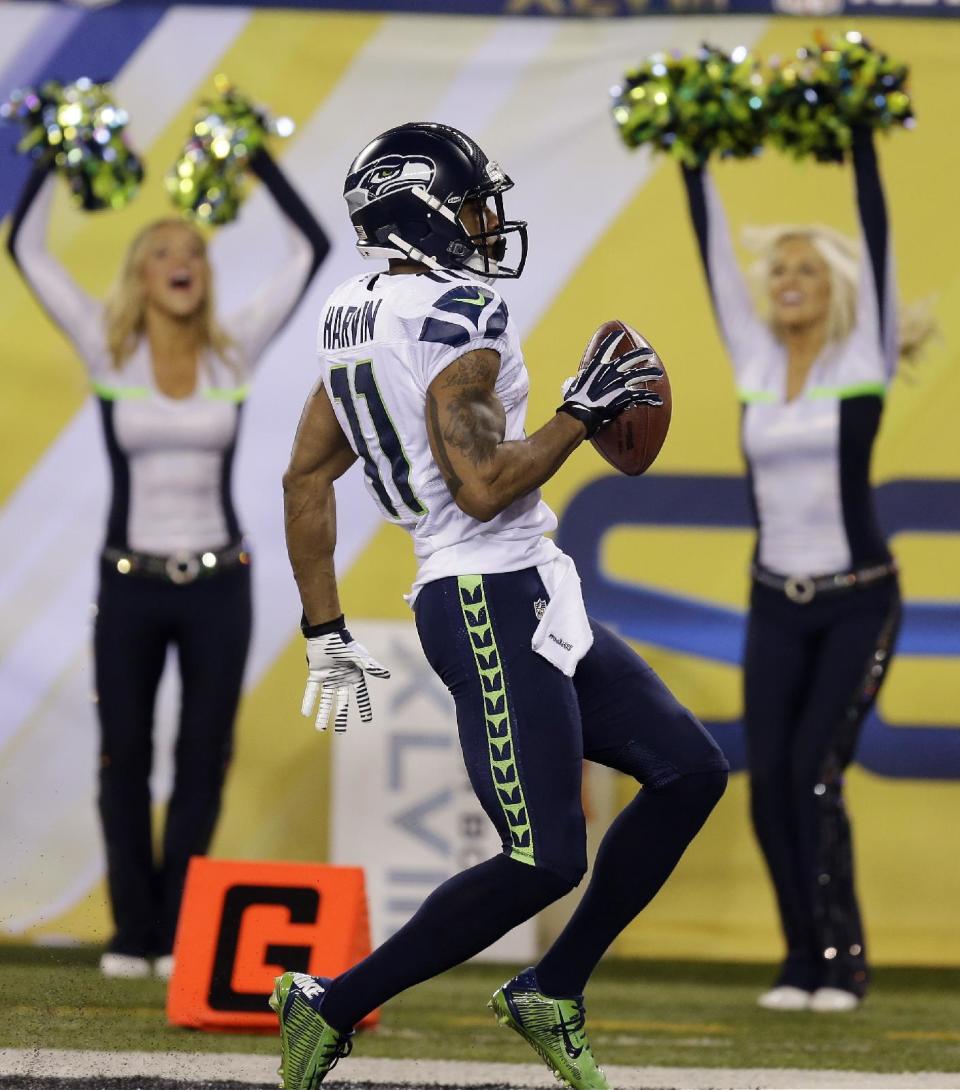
(525, 729)
(138, 618)
(614, 711)
(811, 673)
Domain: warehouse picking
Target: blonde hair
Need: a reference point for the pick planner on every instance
(126, 304)
(916, 322)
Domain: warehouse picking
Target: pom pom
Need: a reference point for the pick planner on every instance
(694, 106)
(208, 182)
(81, 130)
(816, 99)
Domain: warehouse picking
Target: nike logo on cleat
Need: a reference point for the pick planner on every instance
(310, 987)
(572, 1051)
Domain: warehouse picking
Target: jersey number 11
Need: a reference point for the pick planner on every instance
(365, 386)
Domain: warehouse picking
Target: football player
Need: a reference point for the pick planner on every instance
(423, 380)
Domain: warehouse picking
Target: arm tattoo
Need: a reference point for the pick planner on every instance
(465, 432)
(468, 371)
(454, 484)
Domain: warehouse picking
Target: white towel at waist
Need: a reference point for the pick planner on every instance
(563, 636)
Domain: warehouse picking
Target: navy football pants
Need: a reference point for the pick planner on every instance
(811, 673)
(138, 618)
(524, 730)
(615, 711)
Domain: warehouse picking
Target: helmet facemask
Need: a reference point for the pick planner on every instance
(489, 247)
(480, 253)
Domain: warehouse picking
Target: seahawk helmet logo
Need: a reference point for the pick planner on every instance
(387, 175)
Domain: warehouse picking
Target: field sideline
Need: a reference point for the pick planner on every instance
(49, 1069)
(655, 1024)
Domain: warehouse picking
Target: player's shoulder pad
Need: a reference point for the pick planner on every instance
(343, 293)
(347, 287)
(462, 310)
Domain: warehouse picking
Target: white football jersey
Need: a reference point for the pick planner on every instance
(382, 340)
(809, 457)
(171, 459)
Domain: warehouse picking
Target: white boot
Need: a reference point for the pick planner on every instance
(785, 998)
(124, 965)
(163, 967)
(833, 1001)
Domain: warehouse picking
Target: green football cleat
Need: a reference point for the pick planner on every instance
(309, 1045)
(554, 1027)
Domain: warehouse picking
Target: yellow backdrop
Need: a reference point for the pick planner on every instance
(636, 260)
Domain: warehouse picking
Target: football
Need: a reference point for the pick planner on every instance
(632, 441)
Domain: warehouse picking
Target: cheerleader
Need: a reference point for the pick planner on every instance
(170, 381)
(812, 374)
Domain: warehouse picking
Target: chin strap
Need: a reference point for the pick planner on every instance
(413, 253)
(433, 202)
(486, 269)
(475, 263)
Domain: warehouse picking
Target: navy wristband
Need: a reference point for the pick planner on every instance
(310, 630)
(590, 419)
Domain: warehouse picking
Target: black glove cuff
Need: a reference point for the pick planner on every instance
(588, 418)
(310, 630)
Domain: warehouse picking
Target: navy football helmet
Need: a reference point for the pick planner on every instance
(406, 189)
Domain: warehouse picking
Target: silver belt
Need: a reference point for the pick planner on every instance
(179, 567)
(804, 588)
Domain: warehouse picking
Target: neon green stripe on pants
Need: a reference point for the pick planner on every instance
(496, 714)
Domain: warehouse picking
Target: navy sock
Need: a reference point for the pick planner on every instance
(459, 919)
(635, 858)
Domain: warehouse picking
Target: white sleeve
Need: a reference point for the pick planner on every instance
(78, 314)
(466, 317)
(261, 319)
(740, 326)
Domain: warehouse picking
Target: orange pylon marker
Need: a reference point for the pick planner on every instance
(243, 923)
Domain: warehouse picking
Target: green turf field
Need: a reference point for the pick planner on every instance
(641, 1013)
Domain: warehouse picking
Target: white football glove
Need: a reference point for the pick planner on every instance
(606, 385)
(336, 664)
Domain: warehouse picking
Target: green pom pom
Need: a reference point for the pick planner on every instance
(816, 99)
(208, 182)
(693, 106)
(79, 128)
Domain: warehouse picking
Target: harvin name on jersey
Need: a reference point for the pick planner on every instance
(346, 326)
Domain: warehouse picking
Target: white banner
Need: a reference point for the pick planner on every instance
(403, 808)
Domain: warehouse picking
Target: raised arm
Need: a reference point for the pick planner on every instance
(729, 294)
(262, 318)
(69, 306)
(466, 424)
(876, 306)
